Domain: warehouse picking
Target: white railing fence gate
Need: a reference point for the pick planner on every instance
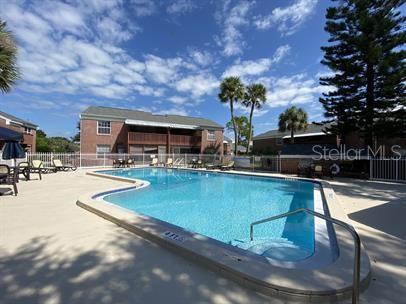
(389, 169)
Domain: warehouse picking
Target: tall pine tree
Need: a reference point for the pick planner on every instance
(367, 56)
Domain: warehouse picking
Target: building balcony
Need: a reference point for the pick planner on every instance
(140, 138)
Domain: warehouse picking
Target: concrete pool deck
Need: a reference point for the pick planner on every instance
(51, 251)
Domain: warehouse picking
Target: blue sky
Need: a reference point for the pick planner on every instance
(163, 57)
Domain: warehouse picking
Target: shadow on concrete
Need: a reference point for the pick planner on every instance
(371, 190)
(389, 218)
(129, 272)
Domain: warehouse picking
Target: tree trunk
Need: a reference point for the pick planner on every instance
(250, 129)
(292, 137)
(370, 101)
(234, 127)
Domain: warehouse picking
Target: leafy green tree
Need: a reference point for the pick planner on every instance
(42, 142)
(54, 144)
(254, 98)
(9, 72)
(242, 129)
(293, 120)
(367, 57)
(76, 138)
(231, 92)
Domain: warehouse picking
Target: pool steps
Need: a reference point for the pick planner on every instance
(273, 248)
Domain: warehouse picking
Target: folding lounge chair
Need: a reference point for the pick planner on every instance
(37, 166)
(24, 169)
(229, 166)
(169, 162)
(318, 171)
(154, 162)
(58, 166)
(178, 162)
(9, 178)
(213, 165)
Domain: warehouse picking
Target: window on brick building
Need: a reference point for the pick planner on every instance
(211, 135)
(102, 149)
(103, 127)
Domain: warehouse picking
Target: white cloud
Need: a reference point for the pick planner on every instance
(200, 57)
(232, 20)
(61, 15)
(178, 100)
(110, 91)
(78, 51)
(172, 111)
(197, 85)
(246, 110)
(280, 53)
(297, 89)
(248, 68)
(288, 19)
(256, 67)
(110, 29)
(180, 7)
(162, 70)
(144, 8)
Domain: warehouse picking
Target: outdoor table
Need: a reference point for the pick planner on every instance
(121, 163)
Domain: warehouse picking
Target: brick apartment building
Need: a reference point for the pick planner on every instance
(28, 129)
(114, 130)
(273, 141)
(276, 142)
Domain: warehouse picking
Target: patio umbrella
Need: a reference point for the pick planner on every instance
(12, 148)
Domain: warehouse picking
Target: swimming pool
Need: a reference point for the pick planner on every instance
(222, 207)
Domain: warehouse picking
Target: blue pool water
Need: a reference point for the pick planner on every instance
(222, 207)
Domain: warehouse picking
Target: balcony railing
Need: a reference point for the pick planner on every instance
(161, 139)
(185, 140)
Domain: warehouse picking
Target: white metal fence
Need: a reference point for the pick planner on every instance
(262, 163)
(379, 169)
(388, 169)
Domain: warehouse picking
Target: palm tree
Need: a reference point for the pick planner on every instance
(293, 120)
(8, 59)
(255, 96)
(232, 91)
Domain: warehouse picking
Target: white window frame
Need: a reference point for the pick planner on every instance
(102, 153)
(103, 127)
(209, 133)
(27, 130)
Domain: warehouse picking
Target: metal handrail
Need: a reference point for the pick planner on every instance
(354, 234)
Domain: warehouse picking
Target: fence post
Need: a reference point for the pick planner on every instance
(143, 160)
(396, 166)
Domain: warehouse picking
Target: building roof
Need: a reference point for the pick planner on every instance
(124, 115)
(17, 120)
(311, 130)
